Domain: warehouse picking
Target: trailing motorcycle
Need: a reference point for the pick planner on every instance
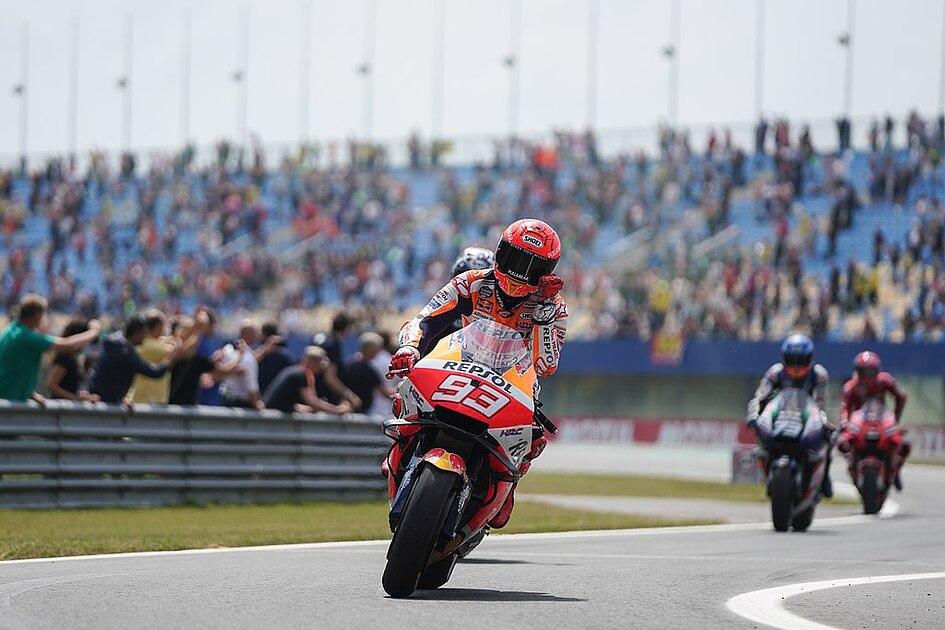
(873, 443)
(794, 446)
(465, 417)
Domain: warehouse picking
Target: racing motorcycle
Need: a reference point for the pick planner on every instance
(872, 441)
(464, 420)
(794, 447)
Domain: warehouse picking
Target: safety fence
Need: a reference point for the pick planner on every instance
(85, 454)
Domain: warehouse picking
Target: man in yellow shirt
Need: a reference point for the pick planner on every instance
(153, 350)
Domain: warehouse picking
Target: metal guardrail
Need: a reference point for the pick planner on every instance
(92, 454)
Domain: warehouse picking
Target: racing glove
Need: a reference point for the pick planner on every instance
(549, 286)
(402, 361)
(751, 421)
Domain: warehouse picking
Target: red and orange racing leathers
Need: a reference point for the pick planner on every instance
(471, 296)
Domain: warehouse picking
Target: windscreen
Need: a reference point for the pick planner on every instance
(493, 345)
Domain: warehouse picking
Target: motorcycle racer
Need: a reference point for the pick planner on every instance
(473, 258)
(870, 381)
(520, 292)
(796, 370)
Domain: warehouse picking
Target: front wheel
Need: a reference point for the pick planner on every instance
(419, 528)
(782, 498)
(869, 490)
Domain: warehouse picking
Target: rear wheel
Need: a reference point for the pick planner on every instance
(782, 496)
(869, 490)
(802, 521)
(423, 519)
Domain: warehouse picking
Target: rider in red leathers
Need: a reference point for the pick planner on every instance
(520, 292)
(869, 381)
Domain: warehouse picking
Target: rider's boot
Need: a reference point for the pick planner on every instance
(826, 486)
(904, 450)
(505, 512)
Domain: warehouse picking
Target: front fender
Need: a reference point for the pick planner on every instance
(438, 457)
(444, 460)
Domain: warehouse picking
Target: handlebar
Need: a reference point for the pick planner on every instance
(545, 422)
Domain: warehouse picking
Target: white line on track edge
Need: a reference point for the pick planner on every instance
(766, 606)
(853, 519)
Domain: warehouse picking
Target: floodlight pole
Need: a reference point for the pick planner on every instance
(593, 10)
(73, 118)
(125, 83)
(674, 64)
(848, 43)
(513, 63)
(305, 70)
(759, 57)
(21, 89)
(241, 78)
(941, 81)
(439, 64)
(367, 70)
(185, 80)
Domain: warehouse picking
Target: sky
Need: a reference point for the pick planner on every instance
(897, 65)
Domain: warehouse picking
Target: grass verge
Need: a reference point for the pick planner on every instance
(36, 534)
(925, 461)
(644, 486)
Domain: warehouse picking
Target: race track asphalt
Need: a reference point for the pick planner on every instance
(671, 578)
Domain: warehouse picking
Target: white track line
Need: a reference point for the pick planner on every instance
(889, 510)
(767, 605)
(854, 519)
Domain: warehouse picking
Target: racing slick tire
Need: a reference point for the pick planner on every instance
(413, 542)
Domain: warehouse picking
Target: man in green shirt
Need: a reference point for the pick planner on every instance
(22, 346)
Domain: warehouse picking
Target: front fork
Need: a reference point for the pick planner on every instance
(438, 458)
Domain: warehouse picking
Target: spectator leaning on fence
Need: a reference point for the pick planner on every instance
(380, 362)
(272, 356)
(197, 359)
(65, 378)
(241, 388)
(22, 346)
(154, 349)
(294, 388)
(120, 362)
(330, 381)
(362, 377)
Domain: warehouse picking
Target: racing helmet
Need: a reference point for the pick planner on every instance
(528, 250)
(473, 258)
(797, 354)
(867, 366)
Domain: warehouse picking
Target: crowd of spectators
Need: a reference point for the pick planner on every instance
(150, 360)
(324, 229)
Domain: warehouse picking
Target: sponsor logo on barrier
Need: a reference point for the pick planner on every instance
(702, 432)
(608, 430)
(927, 440)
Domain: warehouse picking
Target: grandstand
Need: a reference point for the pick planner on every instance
(295, 231)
